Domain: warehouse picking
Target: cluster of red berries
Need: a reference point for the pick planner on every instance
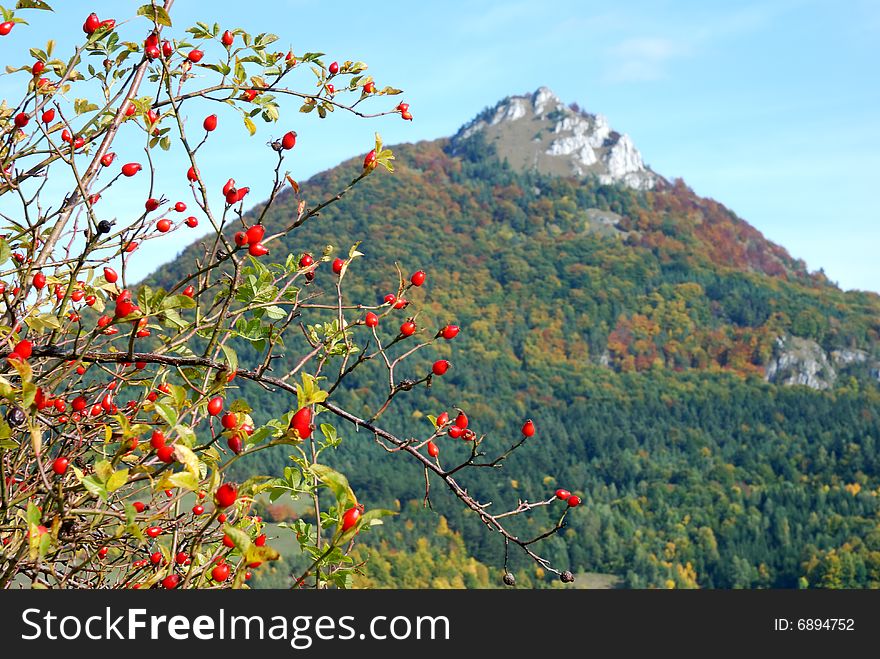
(572, 500)
(164, 451)
(153, 50)
(403, 108)
(252, 238)
(396, 302)
(78, 293)
(459, 427)
(93, 24)
(237, 431)
(225, 496)
(232, 194)
(21, 352)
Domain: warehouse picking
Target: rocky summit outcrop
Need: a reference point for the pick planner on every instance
(538, 131)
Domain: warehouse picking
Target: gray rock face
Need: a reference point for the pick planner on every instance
(538, 131)
(800, 361)
(845, 356)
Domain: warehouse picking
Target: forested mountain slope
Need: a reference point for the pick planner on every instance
(638, 326)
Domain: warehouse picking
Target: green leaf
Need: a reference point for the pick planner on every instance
(337, 483)
(374, 517)
(261, 434)
(178, 302)
(28, 393)
(156, 14)
(5, 251)
(309, 393)
(95, 486)
(33, 4)
(168, 414)
(275, 313)
(329, 433)
(173, 318)
(185, 435)
(33, 513)
(231, 357)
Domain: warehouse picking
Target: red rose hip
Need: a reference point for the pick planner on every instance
(225, 495)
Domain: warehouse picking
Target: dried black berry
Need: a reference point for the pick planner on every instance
(509, 579)
(566, 577)
(105, 226)
(15, 416)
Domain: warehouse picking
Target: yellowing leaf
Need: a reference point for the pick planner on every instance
(186, 456)
(103, 470)
(264, 553)
(117, 480)
(184, 480)
(239, 538)
(155, 13)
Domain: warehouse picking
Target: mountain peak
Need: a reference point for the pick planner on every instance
(538, 131)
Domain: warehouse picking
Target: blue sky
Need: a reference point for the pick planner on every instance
(770, 107)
